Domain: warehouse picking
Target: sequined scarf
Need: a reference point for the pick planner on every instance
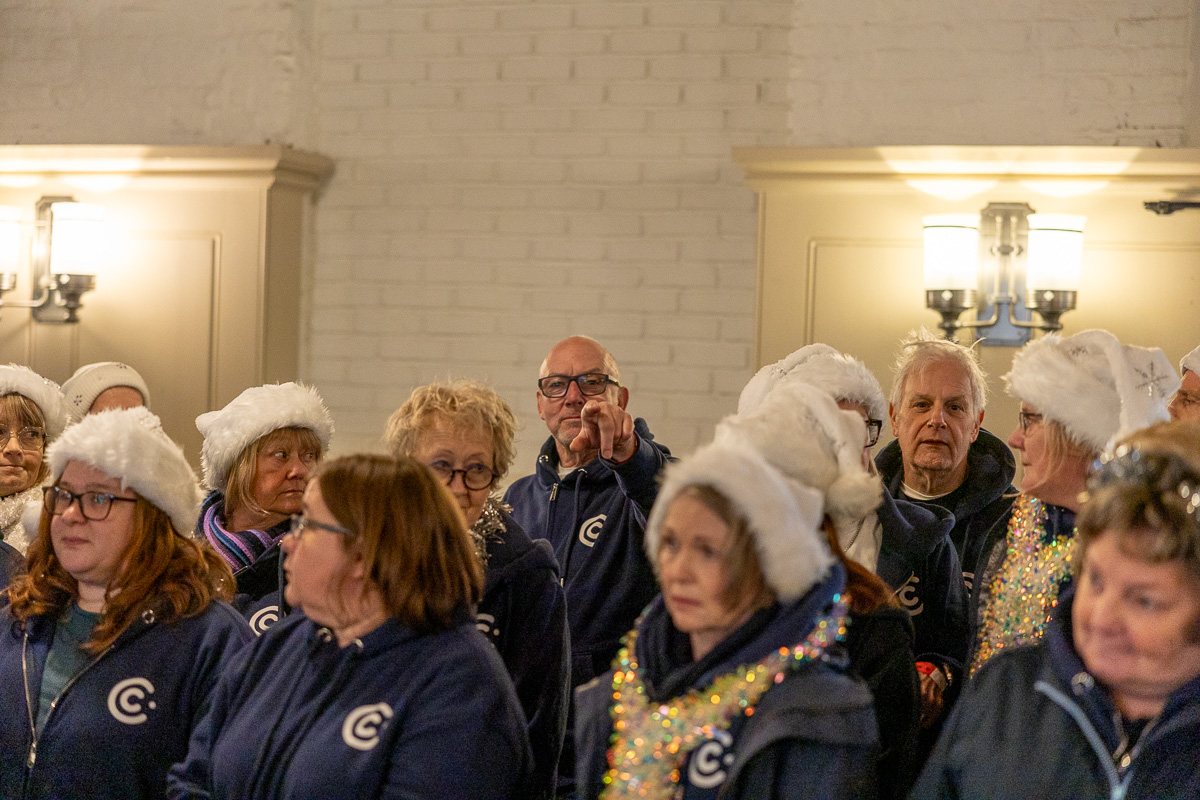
(650, 743)
(1024, 592)
(489, 525)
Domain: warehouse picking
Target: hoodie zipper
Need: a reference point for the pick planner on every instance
(53, 704)
(1118, 784)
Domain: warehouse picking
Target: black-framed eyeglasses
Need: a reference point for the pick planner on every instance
(475, 476)
(590, 384)
(874, 426)
(1027, 418)
(27, 438)
(302, 521)
(93, 505)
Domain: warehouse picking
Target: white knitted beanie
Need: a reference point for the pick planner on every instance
(131, 446)
(801, 432)
(253, 414)
(17, 379)
(841, 375)
(82, 388)
(783, 517)
(1191, 361)
(1095, 387)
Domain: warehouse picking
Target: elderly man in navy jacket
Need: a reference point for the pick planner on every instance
(594, 484)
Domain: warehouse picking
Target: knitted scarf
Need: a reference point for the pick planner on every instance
(240, 549)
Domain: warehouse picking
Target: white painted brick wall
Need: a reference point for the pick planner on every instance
(509, 171)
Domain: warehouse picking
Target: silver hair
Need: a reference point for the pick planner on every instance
(610, 363)
(922, 348)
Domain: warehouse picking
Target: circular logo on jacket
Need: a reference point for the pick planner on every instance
(361, 728)
(486, 624)
(706, 767)
(127, 701)
(589, 531)
(264, 618)
(909, 598)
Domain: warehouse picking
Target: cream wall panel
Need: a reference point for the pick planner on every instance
(840, 245)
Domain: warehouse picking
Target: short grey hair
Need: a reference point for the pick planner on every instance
(610, 363)
(922, 348)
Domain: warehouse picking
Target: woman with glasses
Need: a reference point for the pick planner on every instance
(1077, 393)
(464, 432)
(111, 643)
(257, 455)
(383, 687)
(32, 414)
(1108, 703)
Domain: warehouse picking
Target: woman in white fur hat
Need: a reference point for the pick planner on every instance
(111, 643)
(725, 686)
(32, 415)
(801, 431)
(257, 456)
(1077, 394)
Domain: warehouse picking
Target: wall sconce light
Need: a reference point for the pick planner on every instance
(1008, 261)
(66, 240)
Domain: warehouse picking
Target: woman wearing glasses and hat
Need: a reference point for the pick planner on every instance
(464, 432)
(1107, 704)
(1077, 393)
(257, 455)
(383, 687)
(32, 414)
(111, 643)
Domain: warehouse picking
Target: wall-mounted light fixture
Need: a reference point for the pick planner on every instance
(1007, 261)
(66, 244)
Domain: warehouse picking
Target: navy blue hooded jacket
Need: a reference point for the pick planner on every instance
(524, 614)
(918, 561)
(1034, 723)
(984, 497)
(595, 518)
(394, 714)
(118, 725)
(811, 736)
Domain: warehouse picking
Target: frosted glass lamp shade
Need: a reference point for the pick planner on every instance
(951, 251)
(1055, 252)
(10, 239)
(77, 238)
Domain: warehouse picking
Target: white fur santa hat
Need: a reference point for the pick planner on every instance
(17, 379)
(253, 414)
(783, 517)
(800, 431)
(842, 376)
(131, 446)
(90, 380)
(1191, 361)
(1095, 387)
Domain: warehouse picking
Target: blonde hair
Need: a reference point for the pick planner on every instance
(464, 405)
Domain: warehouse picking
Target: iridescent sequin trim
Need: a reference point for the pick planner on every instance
(651, 742)
(1024, 592)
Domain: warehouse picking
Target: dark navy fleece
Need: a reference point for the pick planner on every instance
(395, 714)
(124, 720)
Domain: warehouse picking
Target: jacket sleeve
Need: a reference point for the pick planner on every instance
(487, 755)
(536, 651)
(638, 477)
(192, 777)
